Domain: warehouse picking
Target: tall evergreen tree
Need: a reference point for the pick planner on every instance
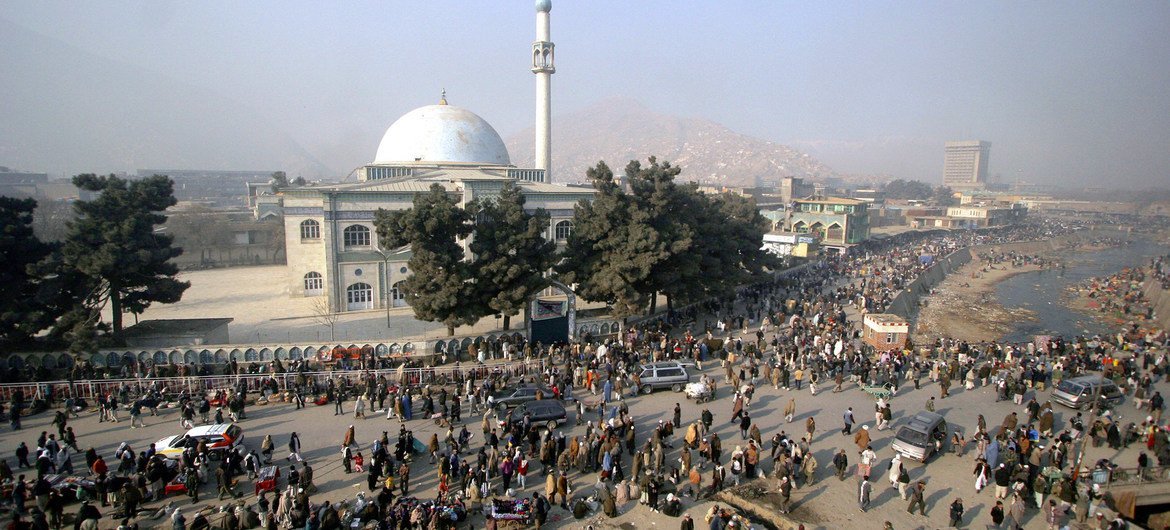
(736, 241)
(21, 313)
(613, 248)
(670, 207)
(113, 241)
(511, 251)
(440, 287)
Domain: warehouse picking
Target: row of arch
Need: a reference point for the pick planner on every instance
(53, 361)
(357, 235)
(834, 231)
(204, 356)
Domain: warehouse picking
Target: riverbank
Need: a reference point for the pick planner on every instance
(1012, 302)
(964, 306)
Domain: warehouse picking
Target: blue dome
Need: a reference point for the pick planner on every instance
(543, 6)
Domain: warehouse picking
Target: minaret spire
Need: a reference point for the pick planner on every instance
(543, 66)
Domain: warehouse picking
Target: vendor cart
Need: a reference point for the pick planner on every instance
(266, 481)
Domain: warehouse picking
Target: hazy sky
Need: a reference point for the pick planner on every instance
(1067, 92)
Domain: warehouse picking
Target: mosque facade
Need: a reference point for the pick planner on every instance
(332, 245)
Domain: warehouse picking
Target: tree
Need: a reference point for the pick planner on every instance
(279, 181)
(21, 313)
(611, 253)
(114, 243)
(736, 241)
(908, 189)
(511, 251)
(440, 287)
(670, 207)
(661, 238)
(943, 196)
(51, 218)
(323, 316)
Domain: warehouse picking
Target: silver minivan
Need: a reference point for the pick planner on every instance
(1078, 392)
(665, 374)
(922, 436)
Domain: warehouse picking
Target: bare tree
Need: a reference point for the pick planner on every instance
(323, 316)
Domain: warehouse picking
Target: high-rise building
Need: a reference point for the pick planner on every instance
(965, 166)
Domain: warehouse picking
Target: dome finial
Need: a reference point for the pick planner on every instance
(443, 97)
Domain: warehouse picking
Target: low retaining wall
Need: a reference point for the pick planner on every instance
(1160, 300)
(905, 303)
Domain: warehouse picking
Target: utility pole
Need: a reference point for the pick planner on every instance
(1089, 425)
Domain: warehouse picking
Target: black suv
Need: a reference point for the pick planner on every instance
(516, 396)
(547, 413)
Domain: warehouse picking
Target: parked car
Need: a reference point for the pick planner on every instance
(521, 394)
(1078, 392)
(546, 413)
(922, 436)
(665, 374)
(219, 438)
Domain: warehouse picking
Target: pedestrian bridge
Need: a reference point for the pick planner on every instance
(1130, 487)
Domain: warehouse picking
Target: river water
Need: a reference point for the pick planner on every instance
(1045, 292)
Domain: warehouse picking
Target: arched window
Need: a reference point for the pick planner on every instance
(356, 236)
(563, 229)
(398, 295)
(314, 284)
(359, 296)
(310, 229)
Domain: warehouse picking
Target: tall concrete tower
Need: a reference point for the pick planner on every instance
(543, 67)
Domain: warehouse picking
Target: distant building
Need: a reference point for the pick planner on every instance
(965, 164)
(871, 196)
(792, 188)
(968, 217)
(224, 238)
(838, 223)
(219, 188)
(21, 184)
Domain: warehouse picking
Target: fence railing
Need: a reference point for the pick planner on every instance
(194, 385)
(1127, 476)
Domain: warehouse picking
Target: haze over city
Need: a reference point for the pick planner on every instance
(1068, 93)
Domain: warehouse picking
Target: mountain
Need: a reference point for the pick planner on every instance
(87, 113)
(620, 130)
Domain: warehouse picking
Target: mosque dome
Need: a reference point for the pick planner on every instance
(442, 134)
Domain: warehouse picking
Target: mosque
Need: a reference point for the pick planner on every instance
(331, 243)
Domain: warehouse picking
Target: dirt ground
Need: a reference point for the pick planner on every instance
(964, 306)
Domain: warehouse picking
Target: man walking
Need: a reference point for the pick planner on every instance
(849, 421)
(294, 448)
(863, 491)
(917, 499)
(841, 462)
(785, 494)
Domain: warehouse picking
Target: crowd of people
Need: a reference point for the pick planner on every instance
(798, 331)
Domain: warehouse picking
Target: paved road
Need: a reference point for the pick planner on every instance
(828, 504)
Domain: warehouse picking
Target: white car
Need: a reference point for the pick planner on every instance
(219, 438)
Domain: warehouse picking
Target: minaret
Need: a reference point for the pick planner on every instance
(542, 66)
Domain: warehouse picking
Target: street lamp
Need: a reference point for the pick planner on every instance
(387, 299)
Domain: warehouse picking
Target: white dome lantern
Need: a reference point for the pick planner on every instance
(442, 134)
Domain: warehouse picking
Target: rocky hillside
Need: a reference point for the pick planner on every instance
(620, 130)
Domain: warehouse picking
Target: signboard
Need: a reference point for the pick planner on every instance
(546, 309)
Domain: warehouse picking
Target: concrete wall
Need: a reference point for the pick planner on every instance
(1160, 300)
(905, 303)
